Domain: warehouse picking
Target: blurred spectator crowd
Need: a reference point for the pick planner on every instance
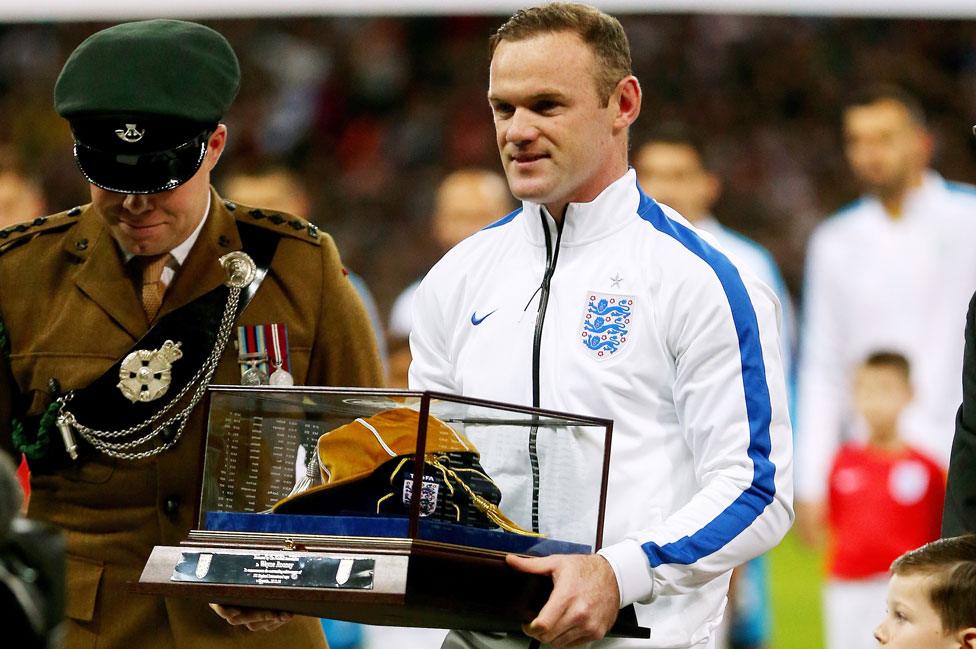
(372, 112)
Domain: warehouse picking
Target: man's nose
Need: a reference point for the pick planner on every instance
(136, 203)
(522, 127)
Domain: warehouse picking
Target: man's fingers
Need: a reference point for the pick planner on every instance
(253, 619)
(265, 625)
(533, 565)
(553, 619)
(570, 638)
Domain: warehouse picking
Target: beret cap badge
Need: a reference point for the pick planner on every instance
(130, 133)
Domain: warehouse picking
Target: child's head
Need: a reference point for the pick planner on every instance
(932, 597)
(882, 389)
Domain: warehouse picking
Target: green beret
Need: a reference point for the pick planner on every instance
(160, 67)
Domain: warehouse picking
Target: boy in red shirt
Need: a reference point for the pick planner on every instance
(884, 498)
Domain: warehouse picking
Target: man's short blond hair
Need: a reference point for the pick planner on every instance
(602, 32)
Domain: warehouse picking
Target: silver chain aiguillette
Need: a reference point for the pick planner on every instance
(241, 270)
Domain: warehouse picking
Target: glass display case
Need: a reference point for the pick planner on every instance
(387, 506)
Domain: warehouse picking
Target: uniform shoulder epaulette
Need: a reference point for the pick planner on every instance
(20, 233)
(281, 222)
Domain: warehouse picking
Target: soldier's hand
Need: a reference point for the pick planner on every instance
(584, 602)
(253, 618)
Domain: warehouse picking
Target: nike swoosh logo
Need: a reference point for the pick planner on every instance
(475, 320)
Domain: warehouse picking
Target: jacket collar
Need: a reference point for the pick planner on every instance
(918, 204)
(587, 222)
(103, 277)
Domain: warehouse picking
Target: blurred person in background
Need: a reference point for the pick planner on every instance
(280, 188)
(466, 201)
(894, 270)
(21, 197)
(960, 505)
(884, 497)
(959, 515)
(671, 167)
(31, 571)
(116, 463)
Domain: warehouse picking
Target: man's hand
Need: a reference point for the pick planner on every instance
(253, 618)
(584, 602)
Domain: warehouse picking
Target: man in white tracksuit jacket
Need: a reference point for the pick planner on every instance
(594, 299)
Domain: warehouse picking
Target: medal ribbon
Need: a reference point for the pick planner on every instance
(251, 349)
(277, 335)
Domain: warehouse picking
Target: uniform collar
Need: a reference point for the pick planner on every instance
(103, 278)
(587, 222)
(918, 201)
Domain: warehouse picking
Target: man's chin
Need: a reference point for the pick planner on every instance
(530, 191)
(140, 247)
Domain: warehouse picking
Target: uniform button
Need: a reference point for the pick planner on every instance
(313, 231)
(223, 241)
(276, 219)
(230, 205)
(296, 224)
(256, 214)
(171, 505)
(41, 220)
(74, 211)
(81, 244)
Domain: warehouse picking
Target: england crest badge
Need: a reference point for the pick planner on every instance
(606, 323)
(428, 493)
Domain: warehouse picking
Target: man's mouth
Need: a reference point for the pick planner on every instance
(528, 158)
(138, 227)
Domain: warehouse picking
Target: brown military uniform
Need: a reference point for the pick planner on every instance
(71, 311)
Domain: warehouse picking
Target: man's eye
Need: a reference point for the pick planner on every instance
(545, 106)
(502, 109)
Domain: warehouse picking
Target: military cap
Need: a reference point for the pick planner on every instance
(143, 98)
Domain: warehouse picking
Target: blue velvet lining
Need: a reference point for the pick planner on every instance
(390, 527)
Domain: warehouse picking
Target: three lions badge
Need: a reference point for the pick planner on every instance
(606, 323)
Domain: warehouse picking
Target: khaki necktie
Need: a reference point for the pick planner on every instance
(152, 283)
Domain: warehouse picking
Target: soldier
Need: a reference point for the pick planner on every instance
(157, 268)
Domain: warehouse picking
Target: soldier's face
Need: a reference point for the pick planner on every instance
(151, 224)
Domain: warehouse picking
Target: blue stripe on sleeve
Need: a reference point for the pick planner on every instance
(751, 502)
(505, 219)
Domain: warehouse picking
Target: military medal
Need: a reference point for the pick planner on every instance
(252, 354)
(145, 374)
(277, 337)
(253, 375)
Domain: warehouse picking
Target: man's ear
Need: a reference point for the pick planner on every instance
(626, 99)
(967, 638)
(216, 144)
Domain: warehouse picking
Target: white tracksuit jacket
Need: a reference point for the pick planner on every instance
(690, 372)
